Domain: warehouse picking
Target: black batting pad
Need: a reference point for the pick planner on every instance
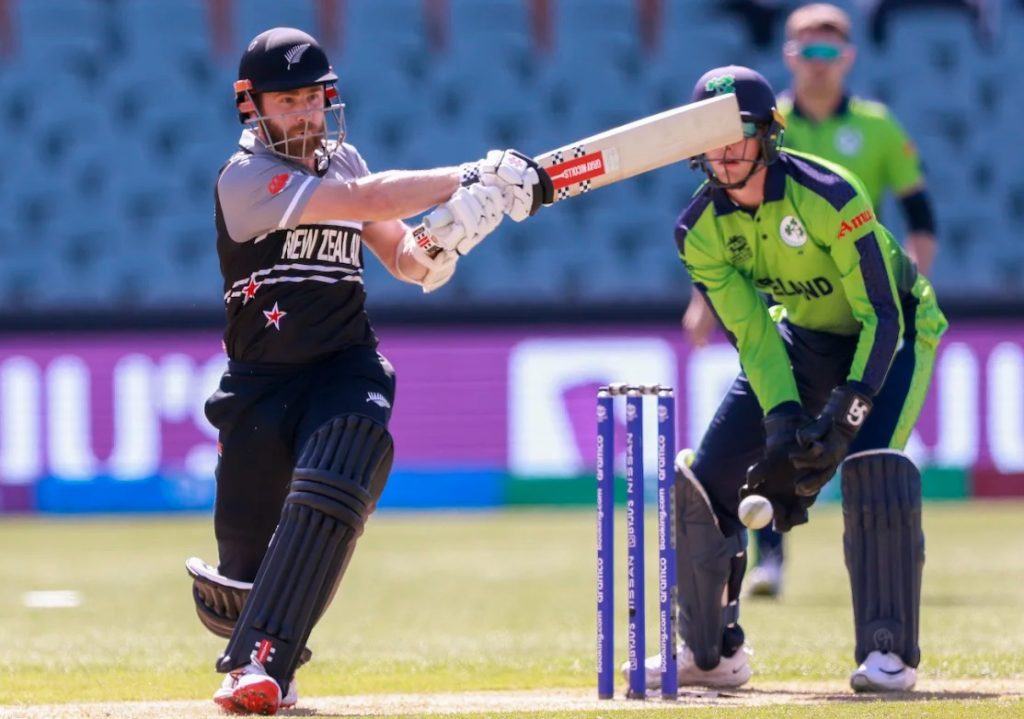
(337, 481)
(884, 546)
(704, 564)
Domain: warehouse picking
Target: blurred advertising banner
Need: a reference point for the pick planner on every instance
(483, 417)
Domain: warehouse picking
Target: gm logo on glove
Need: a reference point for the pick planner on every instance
(857, 412)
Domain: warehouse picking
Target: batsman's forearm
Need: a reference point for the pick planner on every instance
(397, 194)
(391, 195)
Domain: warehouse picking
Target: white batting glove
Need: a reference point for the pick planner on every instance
(524, 185)
(518, 201)
(440, 265)
(470, 215)
(439, 271)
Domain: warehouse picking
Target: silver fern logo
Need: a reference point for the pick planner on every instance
(294, 56)
(378, 399)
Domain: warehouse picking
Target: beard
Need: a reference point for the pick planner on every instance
(300, 142)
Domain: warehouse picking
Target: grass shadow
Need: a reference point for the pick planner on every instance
(812, 696)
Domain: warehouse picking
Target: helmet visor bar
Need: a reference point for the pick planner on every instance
(294, 148)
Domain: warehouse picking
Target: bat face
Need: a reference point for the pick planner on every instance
(643, 145)
(628, 150)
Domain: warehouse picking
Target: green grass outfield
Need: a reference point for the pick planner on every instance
(449, 603)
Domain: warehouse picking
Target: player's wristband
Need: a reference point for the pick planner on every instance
(917, 208)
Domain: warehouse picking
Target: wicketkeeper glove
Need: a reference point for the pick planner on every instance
(775, 477)
(825, 441)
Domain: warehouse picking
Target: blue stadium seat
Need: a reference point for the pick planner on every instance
(939, 45)
(696, 39)
(384, 34)
(495, 31)
(138, 116)
(58, 28)
(165, 30)
(254, 16)
(597, 52)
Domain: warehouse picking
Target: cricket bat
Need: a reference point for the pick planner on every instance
(631, 149)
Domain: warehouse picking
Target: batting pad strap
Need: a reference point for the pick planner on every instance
(730, 613)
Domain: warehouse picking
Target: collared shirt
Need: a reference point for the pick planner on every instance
(293, 292)
(862, 136)
(815, 246)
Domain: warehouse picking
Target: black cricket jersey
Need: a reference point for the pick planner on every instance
(293, 292)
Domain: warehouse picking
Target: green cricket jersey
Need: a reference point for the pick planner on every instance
(862, 136)
(816, 247)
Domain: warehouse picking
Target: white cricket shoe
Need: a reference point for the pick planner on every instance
(250, 690)
(764, 579)
(883, 672)
(730, 673)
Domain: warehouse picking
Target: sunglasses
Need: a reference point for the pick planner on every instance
(820, 51)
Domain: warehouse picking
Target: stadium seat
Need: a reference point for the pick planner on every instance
(384, 34)
(138, 116)
(254, 16)
(497, 30)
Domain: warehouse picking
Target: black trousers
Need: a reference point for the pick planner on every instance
(265, 414)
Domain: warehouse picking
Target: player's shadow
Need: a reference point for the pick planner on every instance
(919, 696)
(817, 601)
(812, 696)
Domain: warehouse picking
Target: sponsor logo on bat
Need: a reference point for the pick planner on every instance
(577, 170)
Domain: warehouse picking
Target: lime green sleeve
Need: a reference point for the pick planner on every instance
(861, 249)
(903, 167)
(745, 316)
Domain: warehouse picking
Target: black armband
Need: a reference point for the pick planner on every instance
(917, 208)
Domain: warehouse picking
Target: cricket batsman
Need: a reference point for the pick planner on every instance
(304, 407)
(833, 377)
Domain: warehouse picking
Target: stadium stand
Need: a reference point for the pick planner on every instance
(119, 113)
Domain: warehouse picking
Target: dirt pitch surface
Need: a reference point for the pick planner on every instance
(377, 705)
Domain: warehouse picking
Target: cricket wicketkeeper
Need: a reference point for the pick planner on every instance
(833, 378)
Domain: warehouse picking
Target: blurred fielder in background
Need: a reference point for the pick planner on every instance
(304, 406)
(839, 381)
(824, 118)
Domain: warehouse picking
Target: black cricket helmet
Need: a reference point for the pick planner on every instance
(758, 111)
(281, 59)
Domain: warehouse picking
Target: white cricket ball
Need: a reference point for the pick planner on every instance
(755, 511)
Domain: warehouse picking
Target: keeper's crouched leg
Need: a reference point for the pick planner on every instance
(710, 571)
(340, 475)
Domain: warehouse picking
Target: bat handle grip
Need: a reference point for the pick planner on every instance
(438, 217)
